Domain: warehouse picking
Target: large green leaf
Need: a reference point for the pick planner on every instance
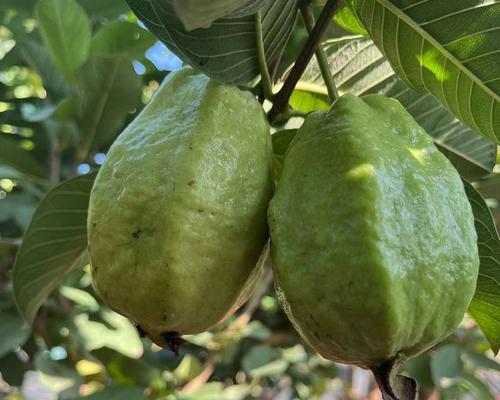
(121, 38)
(485, 306)
(226, 51)
(66, 31)
(358, 67)
(14, 156)
(110, 90)
(54, 244)
(449, 48)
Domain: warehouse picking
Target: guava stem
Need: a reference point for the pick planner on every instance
(266, 83)
(393, 386)
(283, 96)
(308, 16)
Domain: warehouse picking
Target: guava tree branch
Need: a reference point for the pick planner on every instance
(283, 96)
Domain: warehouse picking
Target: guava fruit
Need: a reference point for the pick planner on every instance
(372, 236)
(177, 217)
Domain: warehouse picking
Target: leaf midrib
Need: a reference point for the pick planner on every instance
(401, 15)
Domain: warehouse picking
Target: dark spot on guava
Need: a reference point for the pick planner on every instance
(191, 183)
(329, 336)
(173, 341)
(164, 316)
(200, 211)
(316, 334)
(137, 233)
(94, 224)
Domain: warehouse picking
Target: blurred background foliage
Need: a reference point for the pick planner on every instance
(59, 112)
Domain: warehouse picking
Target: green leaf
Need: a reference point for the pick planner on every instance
(349, 21)
(189, 367)
(13, 331)
(38, 58)
(358, 67)
(14, 156)
(281, 142)
(121, 38)
(446, 364)
(485, 306)
(54, 244)
(104, 9)
(66, 31)
(308, 101)
(227, 51)
(202, 13)
(80, 297)
(25, 6)
(59, 376)
(106, 100)
(449, 48)
(114, 332)
(118, 393)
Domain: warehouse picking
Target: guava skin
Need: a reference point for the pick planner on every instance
(177, 218)
(372, 236)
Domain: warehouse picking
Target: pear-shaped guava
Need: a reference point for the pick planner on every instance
(372, 236)
(177, 216)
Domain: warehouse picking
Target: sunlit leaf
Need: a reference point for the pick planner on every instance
(449, 48)
(349, 21)
(359, 68)
(114, 332)
(54, 244)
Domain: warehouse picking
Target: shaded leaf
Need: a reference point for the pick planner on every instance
(66, 31)
(14, 156)
(54, 244)
(449, 48)
(106, 100)
(38, 58)
(226, 51)
(121, 38)
(104, 9)
(201, 14)
(13, 331)
(485, 306)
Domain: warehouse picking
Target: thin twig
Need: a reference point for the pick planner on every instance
(308, 16)
(282, 97)
(266, 83)
(254, 302)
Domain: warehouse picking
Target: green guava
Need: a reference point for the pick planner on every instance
(177, 217)
(372, 236)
